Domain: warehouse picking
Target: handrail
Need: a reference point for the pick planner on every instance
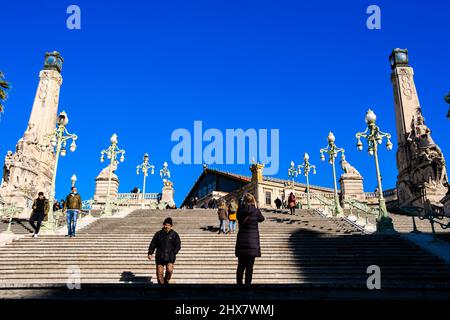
(365, 210)
(10, 210)
(431, 215)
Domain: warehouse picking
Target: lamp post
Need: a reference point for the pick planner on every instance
(58, 141)
(144, 166)
(332, 150)
(374, 137)
(306, 166)
(111, 153)
(73, 179)
(293, 173)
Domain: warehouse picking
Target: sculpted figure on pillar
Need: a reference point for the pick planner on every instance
(348, 169)
(9, 161)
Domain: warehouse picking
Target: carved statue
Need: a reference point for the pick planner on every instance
(30, 135)
(105, 172)
(420, 133)
(349, 169)
(9, 161)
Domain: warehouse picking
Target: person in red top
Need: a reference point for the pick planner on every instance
(292, 203)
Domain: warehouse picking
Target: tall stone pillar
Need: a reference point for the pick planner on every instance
(257, 178)
(29, 169)
(422, 174)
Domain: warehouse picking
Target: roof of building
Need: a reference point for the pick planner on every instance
(233, 176)
(245, 179)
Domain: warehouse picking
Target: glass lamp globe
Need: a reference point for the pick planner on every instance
(306, 157)
(389, 145)
(53, 141)
(122, 159)
(114, 138)
(63, 152)
(73, 146)
(63, 119)
(370, 117)
(331, 138)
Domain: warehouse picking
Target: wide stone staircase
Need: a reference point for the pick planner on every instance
(306, 249)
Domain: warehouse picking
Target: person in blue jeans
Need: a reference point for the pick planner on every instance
(72, 206)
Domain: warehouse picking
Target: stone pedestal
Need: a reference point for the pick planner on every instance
(351, 183)
(167, 193)
(101, 186)
(352, 188)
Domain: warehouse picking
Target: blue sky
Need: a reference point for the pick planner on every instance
(143, 69)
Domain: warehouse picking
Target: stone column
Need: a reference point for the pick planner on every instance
(29, 169)
(420, 162)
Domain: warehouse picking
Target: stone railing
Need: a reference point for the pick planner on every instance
(138, 196)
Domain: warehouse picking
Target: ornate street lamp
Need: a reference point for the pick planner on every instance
(306, 166)
(58, 142)
(447, 99)
(73, 179)
(111, 153)
(144, 167)
(374, 137)
(332, 150)
(292, 173)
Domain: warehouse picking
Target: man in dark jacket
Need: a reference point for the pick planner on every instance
(72, 207)
(247, 243)
(167, 244)
(40, 208)
(278, 203)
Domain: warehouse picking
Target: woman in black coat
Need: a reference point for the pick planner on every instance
(247, 243)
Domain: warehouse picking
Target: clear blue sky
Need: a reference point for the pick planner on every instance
(145, 68)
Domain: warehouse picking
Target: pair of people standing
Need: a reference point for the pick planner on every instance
(41, 207)
(227, 213)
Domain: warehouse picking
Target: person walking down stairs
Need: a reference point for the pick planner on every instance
(40, 208)
(247, 244)
(232, 210)
(292, 203)
(223, 216)
(72, 207)
(167, 244)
